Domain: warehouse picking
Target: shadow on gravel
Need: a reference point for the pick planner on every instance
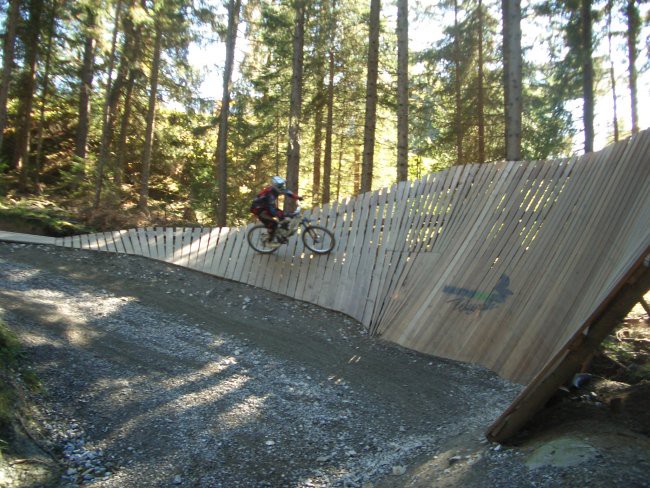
(164, 376)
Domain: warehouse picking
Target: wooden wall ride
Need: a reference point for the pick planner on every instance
(496, 264)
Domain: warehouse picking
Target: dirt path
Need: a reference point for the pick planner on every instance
(159, 376)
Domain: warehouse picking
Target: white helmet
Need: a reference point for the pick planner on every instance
(279, 183)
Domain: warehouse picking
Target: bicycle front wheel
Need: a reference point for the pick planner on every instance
(318, 239)
(258, 239)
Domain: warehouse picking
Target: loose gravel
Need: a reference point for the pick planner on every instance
(156, 375)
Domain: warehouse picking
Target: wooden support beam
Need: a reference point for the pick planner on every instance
(561, 368)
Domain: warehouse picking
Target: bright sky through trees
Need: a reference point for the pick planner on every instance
(425, 31)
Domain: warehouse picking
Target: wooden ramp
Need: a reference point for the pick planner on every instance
(496, 264)
(25, 238)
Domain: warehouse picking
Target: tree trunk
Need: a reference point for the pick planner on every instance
(458, 123)
(340, 165)
(402, 89)
(329, 129)
(44, 95)
(295, 110)
(151, 119)
(222, 141)
(318, 147)
(277, 144)
(120, 151)
(28, 84)
(633, 23)
(329, 125)
(85, 88)
(587, 76)
(356, 171)
(481, 91)
(13, 17)
(512, 73)
(131, 53)
(612, 73)
(107, 113)
(371, 98)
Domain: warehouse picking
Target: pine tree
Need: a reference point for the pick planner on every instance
(371, 98)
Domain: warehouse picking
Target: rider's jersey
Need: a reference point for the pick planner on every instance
(267, 200)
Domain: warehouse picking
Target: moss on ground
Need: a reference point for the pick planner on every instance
(39, 217)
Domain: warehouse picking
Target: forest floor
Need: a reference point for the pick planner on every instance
(155, 375)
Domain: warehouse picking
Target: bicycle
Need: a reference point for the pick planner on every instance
(316, 238)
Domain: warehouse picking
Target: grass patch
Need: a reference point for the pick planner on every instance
(10, 367)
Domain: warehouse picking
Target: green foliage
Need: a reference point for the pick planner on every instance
(183, 179)
(12, 367)
(40, 215)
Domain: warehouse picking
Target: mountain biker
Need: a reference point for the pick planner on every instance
(265, 204)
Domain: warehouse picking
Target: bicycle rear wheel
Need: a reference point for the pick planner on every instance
(258, 239)
(318, 239)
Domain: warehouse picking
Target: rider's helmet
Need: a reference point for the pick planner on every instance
(279, 183)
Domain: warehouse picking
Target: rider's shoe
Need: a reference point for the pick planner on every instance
(271, 240)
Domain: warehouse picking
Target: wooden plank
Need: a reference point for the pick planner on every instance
(417, 234)
(117, 239)
(177, 241)
(398, 247)
(143, 239)
(167, 253)
(25, 238)
(241, 257)
(109, 243)
(92, 242)
(384, 304)
(100, 241)
(324, 270)
(346, 293)
(386, 255)
(258, 265)
(341, 215)
(135, 243)
(159, 236)
(617, 192)
(310, 283)
(481, 223)
(306, 258)
(204, 240)
(231, 240)
(150, 236)
(562, 270)
(555, 238)
(367, 254)
(376, 299)
(195, 242)
(409, 330)
(217, 255)
(236, 240)
(125, 239)
(185, 246)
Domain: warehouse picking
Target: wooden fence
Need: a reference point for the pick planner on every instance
(496, 264)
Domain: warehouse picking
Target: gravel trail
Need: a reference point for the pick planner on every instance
(156, 375)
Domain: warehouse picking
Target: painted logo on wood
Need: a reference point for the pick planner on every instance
(469, 301)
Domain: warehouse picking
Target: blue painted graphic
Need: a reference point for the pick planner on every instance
(469, 301)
